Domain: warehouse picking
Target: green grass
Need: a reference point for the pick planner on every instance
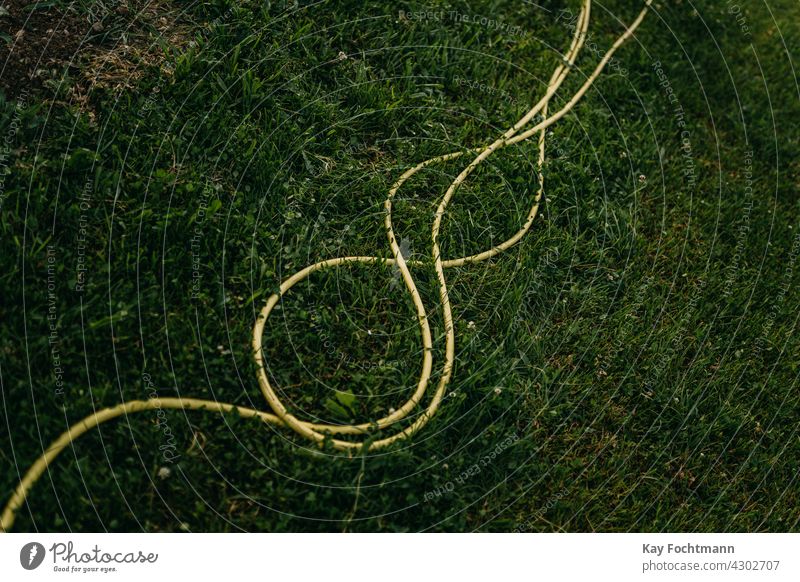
(643, 337)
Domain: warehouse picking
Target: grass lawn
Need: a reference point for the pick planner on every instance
(631, 365)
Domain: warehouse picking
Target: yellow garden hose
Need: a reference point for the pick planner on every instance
(320, 433)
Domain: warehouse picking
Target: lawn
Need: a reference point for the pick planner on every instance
(631, 365)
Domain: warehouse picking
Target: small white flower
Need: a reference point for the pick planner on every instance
(471, 325)
(164, 472)
(498, 390)
(642, 178)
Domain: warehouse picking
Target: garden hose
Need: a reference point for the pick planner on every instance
(327, 433)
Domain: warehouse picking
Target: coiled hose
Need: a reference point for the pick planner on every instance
(320, 433)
